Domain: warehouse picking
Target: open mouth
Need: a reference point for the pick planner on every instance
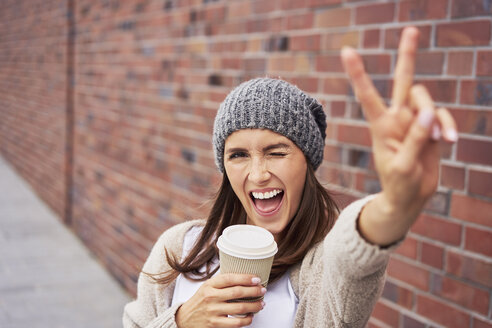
(267, 203)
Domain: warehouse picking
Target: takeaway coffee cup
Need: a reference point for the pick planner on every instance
(247, 249)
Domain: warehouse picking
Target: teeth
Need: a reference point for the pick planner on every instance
(266, 195)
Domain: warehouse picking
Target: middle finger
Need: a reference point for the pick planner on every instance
(236, 292)
(405, 67)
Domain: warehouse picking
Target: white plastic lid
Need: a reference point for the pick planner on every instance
(247, 241)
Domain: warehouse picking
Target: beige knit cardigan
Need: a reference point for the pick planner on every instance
(337, 283)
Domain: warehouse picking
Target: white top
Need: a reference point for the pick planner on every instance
(280, 299)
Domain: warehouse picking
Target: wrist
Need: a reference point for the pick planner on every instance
(383, 223)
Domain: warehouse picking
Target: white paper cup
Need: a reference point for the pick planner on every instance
(247, 249)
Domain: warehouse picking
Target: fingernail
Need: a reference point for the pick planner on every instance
(426, 117)
(436, 132)
(256, 280)
(263, 290)
(452, 135)
(263, 304)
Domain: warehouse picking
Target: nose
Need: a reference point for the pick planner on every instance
(258, 172)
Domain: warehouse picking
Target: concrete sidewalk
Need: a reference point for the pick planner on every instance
(47, 277)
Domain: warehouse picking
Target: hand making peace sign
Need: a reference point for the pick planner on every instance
(405, 146)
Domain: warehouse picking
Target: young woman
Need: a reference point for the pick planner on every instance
(268, 141)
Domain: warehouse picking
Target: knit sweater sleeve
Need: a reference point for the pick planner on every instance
(341, 279)
(152, 307)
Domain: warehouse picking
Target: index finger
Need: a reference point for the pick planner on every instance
(405, 67)
(225, 280)
(364, 89)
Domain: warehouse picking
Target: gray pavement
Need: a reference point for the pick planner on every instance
(47, 277)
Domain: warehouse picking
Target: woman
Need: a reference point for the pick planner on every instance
(268, 141)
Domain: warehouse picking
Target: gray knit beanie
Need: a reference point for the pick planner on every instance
(277, 105)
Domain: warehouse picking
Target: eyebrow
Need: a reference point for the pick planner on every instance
(265, 149)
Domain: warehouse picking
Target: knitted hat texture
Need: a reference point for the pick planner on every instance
(273, 104)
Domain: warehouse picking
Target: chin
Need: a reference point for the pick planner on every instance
(274, 227)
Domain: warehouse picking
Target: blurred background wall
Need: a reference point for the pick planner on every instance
(107, 107)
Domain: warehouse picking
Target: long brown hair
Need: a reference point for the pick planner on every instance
(314, 219)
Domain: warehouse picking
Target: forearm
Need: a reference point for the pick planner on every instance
(382, 223)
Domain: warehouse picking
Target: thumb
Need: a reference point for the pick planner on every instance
(418, 136)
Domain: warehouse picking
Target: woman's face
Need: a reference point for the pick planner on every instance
(267, 172)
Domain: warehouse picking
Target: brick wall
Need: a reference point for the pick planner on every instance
(149, 76)
(33, 64)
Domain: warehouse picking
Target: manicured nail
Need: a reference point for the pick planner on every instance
(263, 290)
(426, 117)
(452, 135)
(263, 304)
(346, 49)
(256, 280)
(436, 132)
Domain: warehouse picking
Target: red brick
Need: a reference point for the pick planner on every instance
(261, 7)
(452, 177)
(333, 17)
(320, 3)
(386, 314)
(398, 294)
(415, 10)
(474, 151)
(478, 241)
(305, 42)
(473, 121)
(254, 64)
(470, 268)
(372, 38)
(335, 86)
(462, 294)
(442, 313)
(375, 13)
(308, 84)
(469, 8)
(339, 177)
(332, 154)
(432, 255)
(337, 108)
(337, 40)
(411, 322)
(264, 24)
(438, 203)
(372, 324)
(354, 134)
(368, 183)
(429, 63)
(377, 64)
(301, 21)
(462, 34)
(215, 14)
(392, 37)
(239, 9)
(441, 90)
(409, 273)
(292, 4)
(484, 63)
(329, 63)
(408, 248)
(460, 63)
(476, 92)
(480, 182)
(477, 323)
(282, 63)
(438, 229)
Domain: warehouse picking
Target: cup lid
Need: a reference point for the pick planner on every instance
(247, 241)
